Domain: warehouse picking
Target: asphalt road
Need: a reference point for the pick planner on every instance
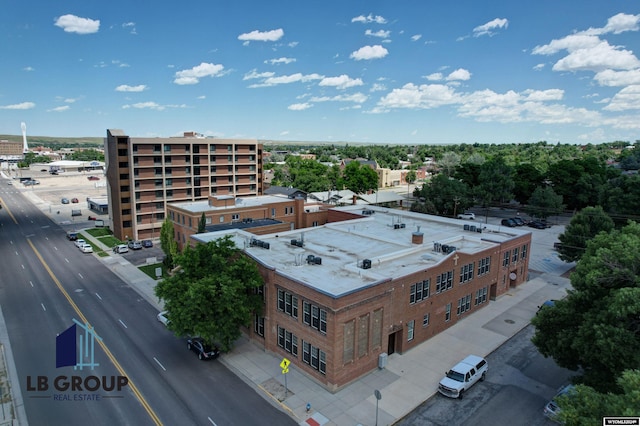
(519, 383)
(47, 282)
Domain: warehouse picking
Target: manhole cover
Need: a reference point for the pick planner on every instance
(508, 321)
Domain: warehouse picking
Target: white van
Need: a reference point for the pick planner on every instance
(462, 376)
(121, 248)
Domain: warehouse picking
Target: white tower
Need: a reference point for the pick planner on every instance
(25, 147)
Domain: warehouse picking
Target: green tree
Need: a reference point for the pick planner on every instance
(585, 225)
(586, 406)
(596, 328)
(358, 178)
(495, 183)
(202, 224)
(168, 243)
(443, 195)
(87, 155)
(449, 161)
(544, 202)
(526, 177)
(214, 293)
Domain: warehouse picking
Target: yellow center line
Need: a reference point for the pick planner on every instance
(4, 207)
(116, 364)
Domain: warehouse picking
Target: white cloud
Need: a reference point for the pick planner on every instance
(193, 75)
(489, 27)
(617, 24)
(378, 87)
(23, 105)
(127, 88)
(356, 97)
(75, 24)
(436, 76)
(379, 33)
(28, 69)
(369, 52)
(60, 108)
(597, 58)
(286, 79)
(424, 96)
(299, 107)
(280, 61)
(459, 75)
(369, 19)
(416, 37)
(145, 105)
(538, 67)
(273, 35)
(618, 78)
(341, 82)
(255, 74)
(543, 95)
(626, 99)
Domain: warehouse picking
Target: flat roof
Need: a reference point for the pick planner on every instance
(233, 202)
(378, 237)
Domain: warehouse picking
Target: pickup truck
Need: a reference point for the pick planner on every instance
(462, 376)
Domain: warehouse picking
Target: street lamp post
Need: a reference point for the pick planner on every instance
(378, 396)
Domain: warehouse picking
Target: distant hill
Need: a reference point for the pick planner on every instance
(55, 141)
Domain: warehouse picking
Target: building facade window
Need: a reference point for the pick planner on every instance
(258, 325)
(514, 258)
(314, 357)
(447, 312)
(466, 272)
(464, 304)
(524, 251)
(444, 281)
(314, 316)
(425, 320)
(288, 303)
(484, 266)
(419, 291)
(410, 327)
(481, 296)
(288, 341)
(506, 257)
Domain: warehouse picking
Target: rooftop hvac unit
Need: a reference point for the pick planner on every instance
(311, 259)
(297, 243)
(479, 229)
(466, 227)
(445, 248)
(266, 245)
(366, 264)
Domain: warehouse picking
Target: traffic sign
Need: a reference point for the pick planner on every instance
(285, 364)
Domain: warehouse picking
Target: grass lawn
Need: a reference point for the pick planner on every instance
(151, 270)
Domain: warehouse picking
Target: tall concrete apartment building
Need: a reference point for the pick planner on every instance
(144, 174)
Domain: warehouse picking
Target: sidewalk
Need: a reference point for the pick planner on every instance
(408, 379)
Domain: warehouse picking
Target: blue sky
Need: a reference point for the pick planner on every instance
(404, 71)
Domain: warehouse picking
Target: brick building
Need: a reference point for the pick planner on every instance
(371, 282)
(144, 174)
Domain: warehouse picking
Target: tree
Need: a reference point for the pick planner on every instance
(526, 178)
(596, 328)
(168, 243)
(214, 293)
(443, 195)
(585, 225)
(449, 161)
(544, 202)
(202, 224)
(410, 178)
(584, 405)
(358, 178)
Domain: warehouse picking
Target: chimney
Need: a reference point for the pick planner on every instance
(354, 199)
(417, 237)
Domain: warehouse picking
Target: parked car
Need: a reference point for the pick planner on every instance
(163, 317)
(92, 218)
(74, 200)
(134, 245)
(552, 409)
(537, 224)
(462, 376)
(86, 248)
(508, 222)
(79, 242)
(147, 243)
(72, 235)
(202, 349)
(518, 221)
(547, 304)
(121, 248)
(467, 216)
(64, 201)
(93, 178)
(10, 183)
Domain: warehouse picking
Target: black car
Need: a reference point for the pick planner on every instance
(537, 224)
(147, 243)
(518, 221)
(509, 222)
(204, 350)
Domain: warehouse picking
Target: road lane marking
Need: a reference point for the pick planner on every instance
(123, 324)
(114, 361)
(212, 422)
(98, 296)
(161, 366)
(43, 308)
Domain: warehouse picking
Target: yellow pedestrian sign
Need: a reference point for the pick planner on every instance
(285, 365)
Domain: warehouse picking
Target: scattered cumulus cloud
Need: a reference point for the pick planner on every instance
(539, 67)
(280, 61)
(436, 76)
(416, 37)
(378, 87)
(300, 107)
(127, 88)
(60, 108)
(152, 106)
(369, 52)
(273, 35)
(356, 97)
(490, 27)
(379, 33)
(28, 69)
(131, 26)
(23, 105)
(626, 99)
(287, 79)
(369, 19)
(193, 75)
(78, 25)
(459, 75)
(341, 82)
